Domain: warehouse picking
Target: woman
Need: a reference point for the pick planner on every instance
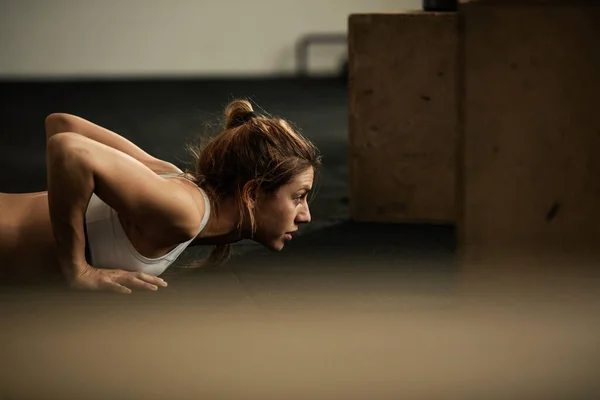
(114, 217)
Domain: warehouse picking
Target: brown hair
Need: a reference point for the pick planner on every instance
(253, 152)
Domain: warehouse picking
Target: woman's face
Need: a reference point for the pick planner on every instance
(279, 214)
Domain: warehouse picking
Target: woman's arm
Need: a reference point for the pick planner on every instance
(78, 167)
(61, 122)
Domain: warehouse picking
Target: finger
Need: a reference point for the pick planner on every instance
(109, 284)
(133, 282)
(155, 280)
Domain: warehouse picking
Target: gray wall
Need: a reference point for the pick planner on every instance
(70, 38)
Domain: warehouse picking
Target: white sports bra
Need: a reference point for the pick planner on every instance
(107, 244)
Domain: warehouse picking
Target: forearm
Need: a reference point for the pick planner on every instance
(60, 122)
(70, 182)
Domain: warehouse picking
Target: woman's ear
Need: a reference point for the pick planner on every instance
(250, 193)
(249, 199)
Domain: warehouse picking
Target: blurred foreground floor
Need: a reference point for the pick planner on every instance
(327, 340)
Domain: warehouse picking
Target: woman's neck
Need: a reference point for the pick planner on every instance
(222, 226)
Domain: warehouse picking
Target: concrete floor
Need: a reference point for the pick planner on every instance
(348, 309)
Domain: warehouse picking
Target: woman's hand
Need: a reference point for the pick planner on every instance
(114, 280)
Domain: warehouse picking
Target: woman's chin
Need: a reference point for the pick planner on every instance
(278, 246)
(275, 245)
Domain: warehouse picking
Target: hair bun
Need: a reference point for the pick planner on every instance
(237, 113)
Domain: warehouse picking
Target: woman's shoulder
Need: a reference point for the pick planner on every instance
(161, 167)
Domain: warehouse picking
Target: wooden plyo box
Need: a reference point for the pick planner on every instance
(403, 117)
(530, 184)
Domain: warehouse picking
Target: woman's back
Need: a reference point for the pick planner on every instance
(27, 245)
